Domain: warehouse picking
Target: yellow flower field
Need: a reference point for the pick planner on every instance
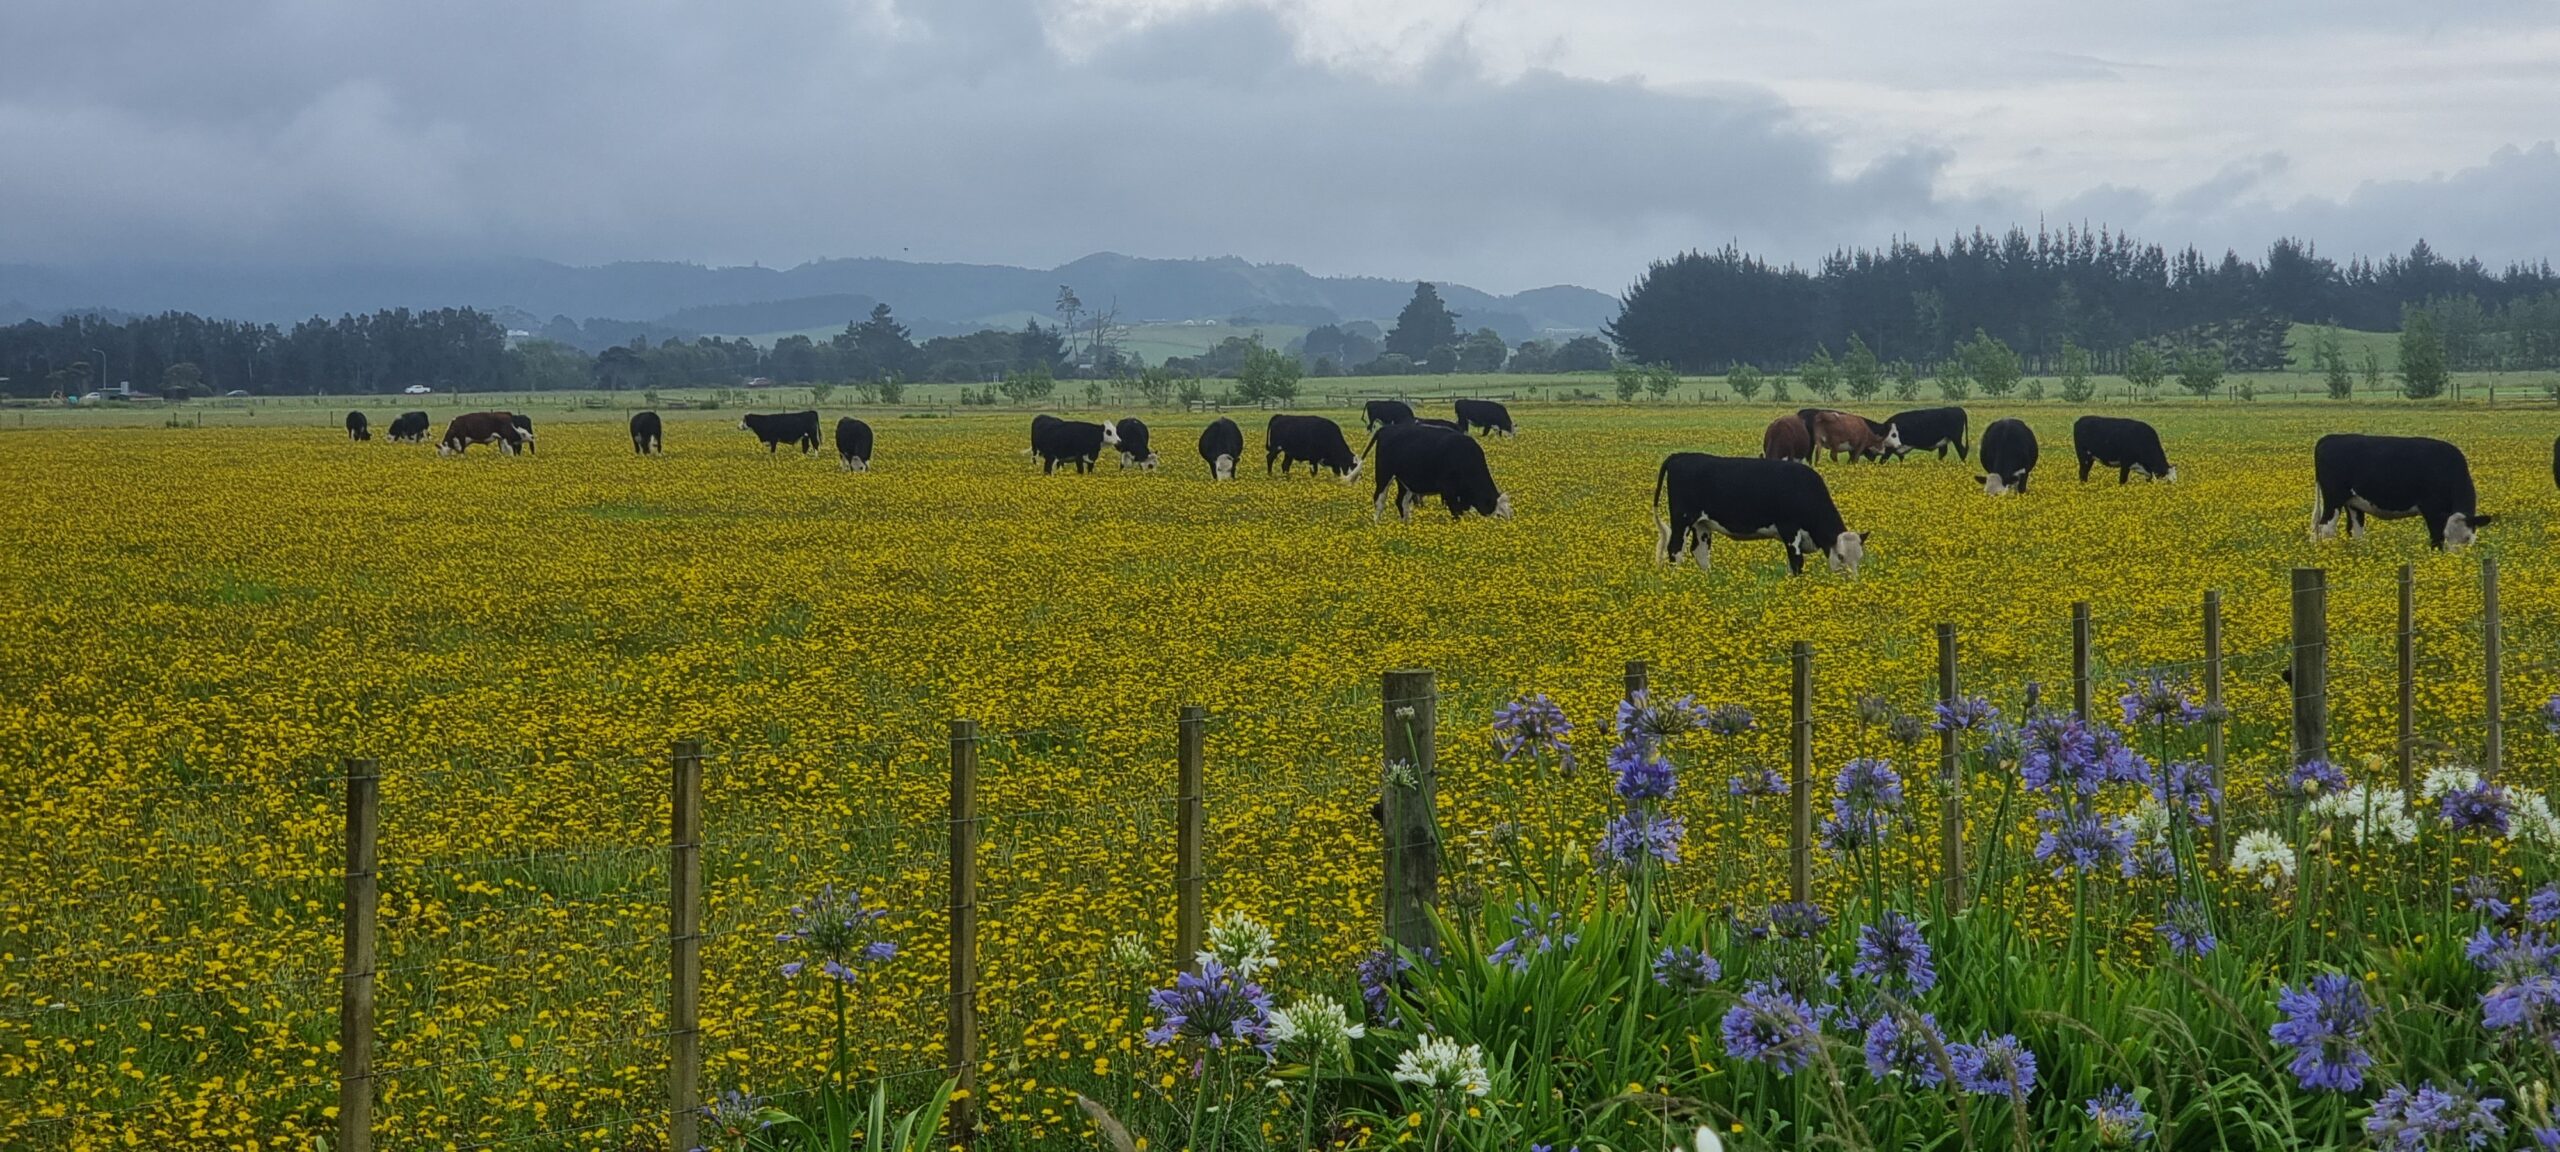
(203, 624)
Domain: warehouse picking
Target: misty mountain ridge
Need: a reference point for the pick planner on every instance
(673, 299)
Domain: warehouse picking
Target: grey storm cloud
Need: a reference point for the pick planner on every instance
(307, 132)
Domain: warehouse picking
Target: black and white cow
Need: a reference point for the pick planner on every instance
(409, 428)
(1741, 498)
(1423, 461)
(524, 424)
(853, 445)
(776, 429)
(2008, 455)
(1927, 429)
(2131, 447)
(1077, 442)
(648, 434)
(1134, 452)
(2392, 477)
(1314, 439)
(1485, 414)
(1384, 412)
(1221, 445)
(357, 427)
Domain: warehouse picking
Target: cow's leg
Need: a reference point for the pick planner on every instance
(1795, 557)
(2021, 486)
(1700, 540)
(2085, 461)
(1406, 498)
(2124, 472)
(2435, 529)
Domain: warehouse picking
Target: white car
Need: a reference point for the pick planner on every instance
(417, 389)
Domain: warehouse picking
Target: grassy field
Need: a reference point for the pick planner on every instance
(202, 622)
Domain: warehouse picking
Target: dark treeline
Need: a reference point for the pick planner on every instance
(2103, 291)
(385, 351)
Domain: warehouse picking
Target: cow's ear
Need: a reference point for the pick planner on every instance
(1862, 537)
(2481, 521)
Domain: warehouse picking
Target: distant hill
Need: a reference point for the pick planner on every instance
(819, 294)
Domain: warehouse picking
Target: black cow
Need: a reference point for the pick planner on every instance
(524, 424)
(1314, 439)
(357, 427)
(1926, 429)
(648, 436)
(1221, 445)
(2128, 446)
(776, 429)
(1424, 461)
(1134, 451)
(1741, 498)
(1485, 414)
(1077, 442)
(1385, 412)
(2392, 477)
(853, 445)
(2008, 454)
(409, 427)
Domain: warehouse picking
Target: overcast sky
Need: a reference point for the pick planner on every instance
(1503, 143)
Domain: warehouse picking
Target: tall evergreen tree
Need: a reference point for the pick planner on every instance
(1424, 325)
(2422, 359)
(877, 347)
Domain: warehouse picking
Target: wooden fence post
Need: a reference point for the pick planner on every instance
(1800, 779)
(2310, 664)
(1638, 678)
(2493, 644)
(2080, 659)
(2408, 645)
(1190, 828)
(355, 968)
(1410, 706)
(960, 1044)
(1950, 780)
(2213, 710)
(684, 949)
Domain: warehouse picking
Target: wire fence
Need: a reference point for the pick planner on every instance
(532, 987)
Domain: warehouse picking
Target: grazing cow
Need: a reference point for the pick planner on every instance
(2008, 454)
(1134, 452)
(2393, 477)
(853, 445)
(1077, 442)
(524, 424)
(357, 427)
(648, 436)
(1314, 439)
(1485, 414)
(1433, 462)
(1385, 412)
(1221, 445)
(776, 429)
(1745, 499)
(2131, 447)
(409, 427)
(1926, 429)
(1833, 431)
(1436, 422)
(471, 428)
(1788, 438)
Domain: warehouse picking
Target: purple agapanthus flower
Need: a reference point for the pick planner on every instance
(2481, 894)
(2551, 715)
(1378, 972)
(838, 934)
(2483, 805)
(1893, 954)
(1964, 714)
(2081, 839)
(2433, 1118)
(2186, 788)
(2311, 779)
(2154, 700)
(2117, 1120)
(1875, 710)
(2060, 754)
(1757, 780)
(2525, 993)
(1211, 1007)
(1639, 841)
(2325, 1023)
(2543, 906)
(1533, 725)
(1998, 1066)
(2187, 929)
(1798, 921)
(1907, 1045)
(1687, 971)
(1535, 931)
(1867, 793)
(1771, 1027)
(1643, 772)
(1728, 720)
(1640, 718)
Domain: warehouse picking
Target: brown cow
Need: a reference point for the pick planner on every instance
(1787, 439)
(471, 428)
(1833, 431)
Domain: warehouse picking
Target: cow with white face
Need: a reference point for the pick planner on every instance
(1750, 499)
(2008, 457)
(2393, 478)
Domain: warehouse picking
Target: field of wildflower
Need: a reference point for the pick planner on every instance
(204, 624)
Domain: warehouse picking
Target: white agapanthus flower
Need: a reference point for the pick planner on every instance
(1241, 943)
(2150, 820)
(1441, 1064)
(2263, 855)
(2530, 818)
(2445, 778)
(1319, 1023)
(1131, 955)
(2370, 814)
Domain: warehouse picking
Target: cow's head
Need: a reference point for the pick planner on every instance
(1847, 550)
(742, 423)
(1350, 474)
(1111, 432)
(1994, 484)
(2460, 530)
(2171, 475)
(1502, 506)
(1892, 437)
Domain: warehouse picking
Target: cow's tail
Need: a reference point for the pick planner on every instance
(1373, 442)
(1661, 476)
